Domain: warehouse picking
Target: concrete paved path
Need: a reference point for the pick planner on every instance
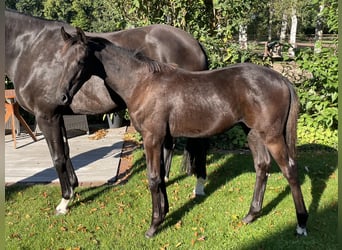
(95, 161)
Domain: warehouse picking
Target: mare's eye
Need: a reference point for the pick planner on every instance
(81, 62)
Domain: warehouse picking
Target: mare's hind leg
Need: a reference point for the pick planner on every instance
(195, 155)
(262, 162)
(288, 166)
(54, 133)
(168, 147)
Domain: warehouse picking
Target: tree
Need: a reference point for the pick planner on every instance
(293, 32)
(319, 29)
(58, 10)
(33, 7)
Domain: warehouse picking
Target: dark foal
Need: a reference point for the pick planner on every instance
(164, 102)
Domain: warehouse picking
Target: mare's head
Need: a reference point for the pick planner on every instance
(79, 64)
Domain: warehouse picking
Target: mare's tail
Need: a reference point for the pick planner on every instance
(291, 123)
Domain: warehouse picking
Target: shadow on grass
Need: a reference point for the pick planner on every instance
(98, 190)
(308, 166)
(316, 171)
(321, 235)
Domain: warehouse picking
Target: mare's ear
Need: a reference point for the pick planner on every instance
(65, 35)
(80, 35)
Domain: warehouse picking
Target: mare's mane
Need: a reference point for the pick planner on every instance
(152, 65)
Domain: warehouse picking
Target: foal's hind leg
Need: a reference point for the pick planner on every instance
(262, 162)
(288, 166)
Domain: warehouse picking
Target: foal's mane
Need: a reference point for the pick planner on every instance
(152, 65)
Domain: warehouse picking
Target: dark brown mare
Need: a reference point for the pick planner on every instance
(34, 49)
(164, 101)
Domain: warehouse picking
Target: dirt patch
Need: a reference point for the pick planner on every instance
(126, 160)
(292, 71)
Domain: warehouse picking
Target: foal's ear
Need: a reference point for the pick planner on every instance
(80, 35)
(65, 35)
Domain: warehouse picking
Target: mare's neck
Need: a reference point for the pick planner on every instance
(18, 23)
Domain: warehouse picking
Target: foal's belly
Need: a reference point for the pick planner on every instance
(201, 124)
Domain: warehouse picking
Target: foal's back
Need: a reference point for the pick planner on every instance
(241, 93)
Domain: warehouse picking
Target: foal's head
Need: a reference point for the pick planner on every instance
(78, 64)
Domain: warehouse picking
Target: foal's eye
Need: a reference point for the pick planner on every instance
(81, 62)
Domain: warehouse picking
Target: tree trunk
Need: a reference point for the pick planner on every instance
(243, 36)
(209, 6)
(283, 28)
(293, 32)
(319, 30)
(270, 20)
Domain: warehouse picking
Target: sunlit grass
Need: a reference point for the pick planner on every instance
(116, 217)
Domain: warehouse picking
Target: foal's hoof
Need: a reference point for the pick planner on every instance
(150, 233)
(248, 219)
(301, 231)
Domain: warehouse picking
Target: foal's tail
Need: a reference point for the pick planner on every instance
(291, 124)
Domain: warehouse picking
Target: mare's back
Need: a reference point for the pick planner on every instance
(163, 43)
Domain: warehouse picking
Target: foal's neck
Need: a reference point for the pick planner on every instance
(123, 70)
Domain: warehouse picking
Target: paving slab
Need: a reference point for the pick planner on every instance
(95, 161)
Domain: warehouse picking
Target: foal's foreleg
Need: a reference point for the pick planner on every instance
(61, 160)
(160, 205)
(262, 162)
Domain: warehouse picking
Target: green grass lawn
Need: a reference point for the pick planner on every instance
(116, 217)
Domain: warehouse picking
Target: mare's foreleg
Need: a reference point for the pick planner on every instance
(55, 135)
(288, 166)
(194, 160)
(155, 174)
(262, 162)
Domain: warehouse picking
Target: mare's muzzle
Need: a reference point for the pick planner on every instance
(65, 99)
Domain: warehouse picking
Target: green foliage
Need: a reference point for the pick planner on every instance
(58, 10)
(310, 133)
(33, 7)
(319, 91)
(235, 138)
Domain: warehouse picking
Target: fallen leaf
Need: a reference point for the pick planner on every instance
(178, 224)
(202, 238)
(99, 134)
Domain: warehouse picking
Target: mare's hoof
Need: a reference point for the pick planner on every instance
(301, 231)
(61, 211)
(198, 193)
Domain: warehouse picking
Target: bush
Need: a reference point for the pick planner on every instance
(318, 94)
